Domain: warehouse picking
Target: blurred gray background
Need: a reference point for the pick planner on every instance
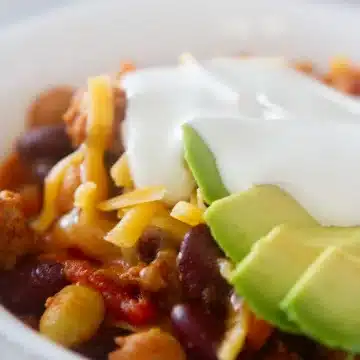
(16, 10)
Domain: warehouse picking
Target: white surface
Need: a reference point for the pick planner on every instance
(71, 44)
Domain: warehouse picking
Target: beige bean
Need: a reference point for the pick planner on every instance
(153, 344)
(73, 315)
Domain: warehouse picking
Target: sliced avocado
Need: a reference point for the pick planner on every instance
(278, 260)
(203, 165)
(239, 220)
(325, 301)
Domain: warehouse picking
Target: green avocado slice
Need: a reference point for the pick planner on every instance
(325, 301)
(203, 165)
(278, 260)
(239, 220)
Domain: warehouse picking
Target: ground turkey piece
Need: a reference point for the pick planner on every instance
(153, 344)
(49, 106)
(16, 237)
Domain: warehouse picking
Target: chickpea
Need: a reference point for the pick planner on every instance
(153, 344)
(73, 315)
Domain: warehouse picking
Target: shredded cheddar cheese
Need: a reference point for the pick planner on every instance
(193, 198)
(138, 196)
(200, 200)
(101, 112)
(120, 173)
(177, 229)
(129, 229)
(85, 196)
(52, 186)
(234, 339)
(98, 131)
(187, 213)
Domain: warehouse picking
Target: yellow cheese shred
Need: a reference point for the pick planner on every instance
(101, 112)
(98, 132)
(193, 198)
(234, 339)
(187, 213)
(129, 229)
(176, 228)
(120, 172)
(52, 186)
(135, 197)
(84, 199)
(200, 200)
(162, 220)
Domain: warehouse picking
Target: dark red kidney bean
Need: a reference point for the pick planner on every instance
(198, 268)
(301, 345)
(198, 331)
(99, 346)
(149, 245)
(24, 289)
(286, 346)
(41, 167)
(50, 142)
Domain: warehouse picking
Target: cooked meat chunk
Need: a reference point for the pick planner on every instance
(16, 237)
(49, 107)
(162, 279)
(76, 117)
(153, 344)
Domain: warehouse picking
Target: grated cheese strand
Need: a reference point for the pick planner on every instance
(177, 229)
(129, 229)
(84, 199)
(120, 172)
(101, 112)
(98, 132)
(200, 200)
(135, 197)
(52, 186)
(234, 339)
(187, 213)
(193, 198)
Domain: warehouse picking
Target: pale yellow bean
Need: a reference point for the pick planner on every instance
(73, 315)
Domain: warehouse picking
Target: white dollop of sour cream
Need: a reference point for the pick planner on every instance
(264, 122)
(317, 163)
(159, 102)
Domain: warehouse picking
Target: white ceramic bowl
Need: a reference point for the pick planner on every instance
(92, 37)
